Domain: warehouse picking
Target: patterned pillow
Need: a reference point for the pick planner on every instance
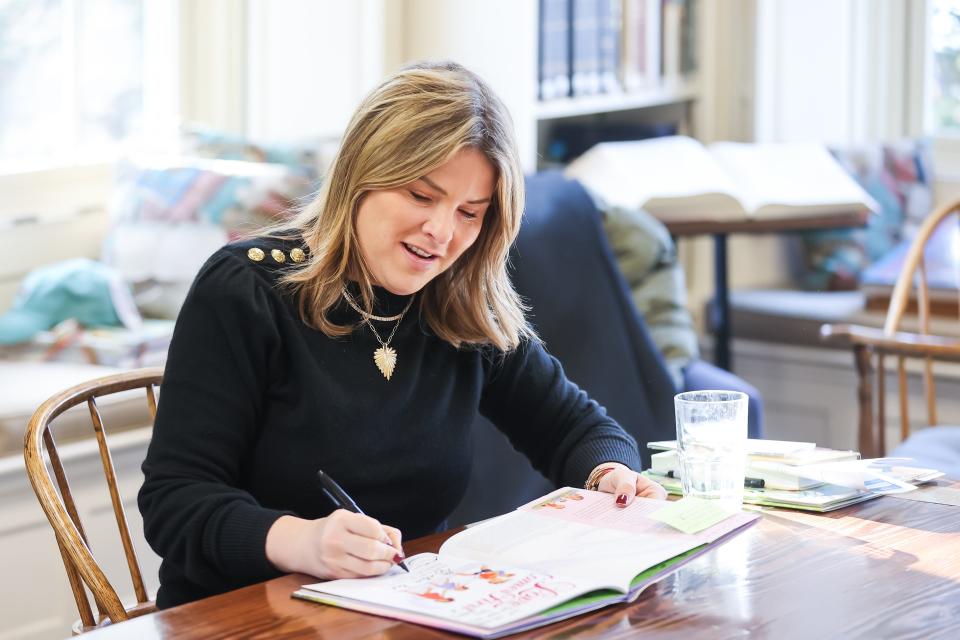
(169, 215)
(899, 177)
(205, 142)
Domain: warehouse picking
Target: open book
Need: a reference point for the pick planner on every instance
(676, 178)
(567, 553)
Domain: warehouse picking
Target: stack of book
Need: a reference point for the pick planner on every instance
(800, 475)
(589, 47)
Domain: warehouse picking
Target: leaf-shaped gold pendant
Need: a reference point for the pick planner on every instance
(385, 359)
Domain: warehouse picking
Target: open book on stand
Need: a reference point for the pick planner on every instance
(567, 553)
(678, 179)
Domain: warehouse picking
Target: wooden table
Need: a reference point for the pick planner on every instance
(720, 319)
(887, 568)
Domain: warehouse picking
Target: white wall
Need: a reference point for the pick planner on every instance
(497, 39)
(834, 71)
(310, 63)
(212, 63)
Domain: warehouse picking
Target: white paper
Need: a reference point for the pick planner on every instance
(874, 475)
(768, 448)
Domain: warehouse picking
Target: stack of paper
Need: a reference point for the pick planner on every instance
(800, 475)
(824, 497)
(782, 451)
(773, 475)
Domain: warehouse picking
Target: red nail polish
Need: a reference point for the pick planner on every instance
(397, 558)
(622, 499)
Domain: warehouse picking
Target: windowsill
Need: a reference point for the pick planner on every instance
(15, 168)
(55, 191)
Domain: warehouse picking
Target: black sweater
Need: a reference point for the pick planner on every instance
(254, 402)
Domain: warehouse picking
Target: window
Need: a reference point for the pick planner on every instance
(944, 47)
(81, 78)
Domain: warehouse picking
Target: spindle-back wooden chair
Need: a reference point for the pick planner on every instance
(871, 346)
(61, 510)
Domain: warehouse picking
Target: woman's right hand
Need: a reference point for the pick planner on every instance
(341, 545)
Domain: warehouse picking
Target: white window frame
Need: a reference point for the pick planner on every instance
(195, 55)
(160, 99)
(946, 145)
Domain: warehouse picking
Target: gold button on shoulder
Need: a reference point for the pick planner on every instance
(297, 255)
(255, 254)
(278, 256)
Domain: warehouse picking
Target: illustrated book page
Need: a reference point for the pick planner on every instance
(569, 552)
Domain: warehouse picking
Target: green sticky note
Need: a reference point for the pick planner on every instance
(691, 515)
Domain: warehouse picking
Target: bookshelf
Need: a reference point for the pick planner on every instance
(655, 96)
(613, 70)
(500, 40)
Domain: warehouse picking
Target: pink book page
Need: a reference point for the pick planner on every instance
(600, 510)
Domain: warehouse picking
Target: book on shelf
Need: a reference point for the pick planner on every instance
(554, 51)
(585, 30)
(640, 44)
(676, 179)
(610, 28)
(567, 553)
(688, 38)
(678, 28)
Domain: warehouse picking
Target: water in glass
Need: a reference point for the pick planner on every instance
(711, 445)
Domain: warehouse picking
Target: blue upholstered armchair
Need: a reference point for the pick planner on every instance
(582, 309)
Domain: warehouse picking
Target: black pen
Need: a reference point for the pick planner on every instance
(340, 498)
(748, 483)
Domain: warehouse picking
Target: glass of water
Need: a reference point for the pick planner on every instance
(711, 445)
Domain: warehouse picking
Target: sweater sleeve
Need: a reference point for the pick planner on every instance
(196, 514)
(564, 433)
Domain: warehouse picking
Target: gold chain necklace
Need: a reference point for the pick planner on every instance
(386, 356)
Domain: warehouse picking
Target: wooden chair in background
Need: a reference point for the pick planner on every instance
(871, 346)
(61, 510)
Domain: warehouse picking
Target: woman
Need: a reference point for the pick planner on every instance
(362, 339)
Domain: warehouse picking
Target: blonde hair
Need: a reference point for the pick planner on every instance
(411, 124)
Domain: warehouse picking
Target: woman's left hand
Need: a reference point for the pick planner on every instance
(625, 483)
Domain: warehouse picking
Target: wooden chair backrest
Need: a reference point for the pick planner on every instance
(912, 286)
(60, 508)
